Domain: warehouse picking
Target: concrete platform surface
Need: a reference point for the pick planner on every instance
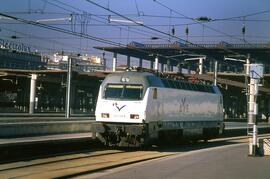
(243, 125)
(32, 130)
(28, 127)
(224, 162)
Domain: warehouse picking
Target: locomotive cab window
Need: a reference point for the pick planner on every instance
(123, 92)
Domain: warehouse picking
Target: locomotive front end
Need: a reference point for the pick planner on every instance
(120, 110)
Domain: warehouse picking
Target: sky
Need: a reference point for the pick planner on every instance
(159, 17)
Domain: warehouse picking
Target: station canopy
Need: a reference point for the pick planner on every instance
(177, 52)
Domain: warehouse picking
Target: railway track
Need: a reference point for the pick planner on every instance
(73, 165)
(43, 149)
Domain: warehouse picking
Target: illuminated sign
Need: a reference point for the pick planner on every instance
(14, 46)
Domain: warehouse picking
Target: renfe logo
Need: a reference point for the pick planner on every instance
(118, 107)
(183, 105)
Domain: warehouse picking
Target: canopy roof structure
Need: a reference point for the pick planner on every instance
(177, 52)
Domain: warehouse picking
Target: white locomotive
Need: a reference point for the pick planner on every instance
(135, 107)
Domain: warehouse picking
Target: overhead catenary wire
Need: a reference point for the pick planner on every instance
(46, 39)
(138, 31)
(82, 35)
(28, 36)
(42, 49)
(235, 18)
(117, 25)
(139, 24)
(174, 36)
(61, 6)
(58, 29)
(102, 16)
(203, 24)
(242, 16)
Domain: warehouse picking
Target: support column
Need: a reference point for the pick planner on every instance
(247, 65)
(156, 64)
(200, 66)
(104, 62)
(189, 71)
(210, 68)
(32, 93)
(140, 62)
(162, 67)
(168, 65)
(128, 61)
(252, 112)
(114, 61)
(268, 110)
(68, 88)
(220, 67)
(179, 66)
(151, 64)
(215, 73)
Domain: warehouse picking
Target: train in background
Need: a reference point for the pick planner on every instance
(136, 108)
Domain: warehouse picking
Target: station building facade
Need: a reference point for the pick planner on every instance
(19, 56)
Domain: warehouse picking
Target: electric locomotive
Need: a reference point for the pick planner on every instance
(135, 108)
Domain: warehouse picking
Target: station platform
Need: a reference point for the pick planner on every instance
(44, 139)
(229, 161)
(20, 131)
(17, 127)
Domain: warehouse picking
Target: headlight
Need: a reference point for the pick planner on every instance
(105, 115)
(134, 116)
